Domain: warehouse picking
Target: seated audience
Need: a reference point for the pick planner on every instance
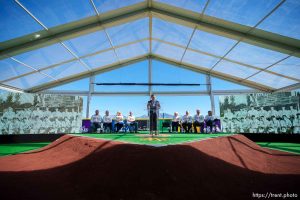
(198, 121)
(187, 121)
(209, 120)
(132, 123)
(175, 122)
(119, 121)
(96, 121)
(107, 122)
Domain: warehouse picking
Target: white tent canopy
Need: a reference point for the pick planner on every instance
(44, 44)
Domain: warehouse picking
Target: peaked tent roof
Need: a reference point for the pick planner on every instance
(252, 42)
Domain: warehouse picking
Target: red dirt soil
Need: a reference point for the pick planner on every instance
(84, 168)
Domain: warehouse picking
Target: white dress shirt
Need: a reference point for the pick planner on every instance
(199, 118)
(107, 119)
(96, 118)
(187, 119)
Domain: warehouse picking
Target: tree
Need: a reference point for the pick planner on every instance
(9, 99)
(232, 100)
(17, 99)
(35, 100)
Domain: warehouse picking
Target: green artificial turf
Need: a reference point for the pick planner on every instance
(162, 139)
(15, 148)
(289, 147)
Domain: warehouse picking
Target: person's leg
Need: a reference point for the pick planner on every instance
(195, 126)
(135, 127)
(155, 122)
(189, 127)
(173, 127)
(151, 122)
(110, 126)
(213, 126)
(119, 126)
(93, 127)
(201, 127)
(176, 126)
(98, 127)
(105, 126)
(184, 126)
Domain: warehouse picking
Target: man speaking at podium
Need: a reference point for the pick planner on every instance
(153, 107)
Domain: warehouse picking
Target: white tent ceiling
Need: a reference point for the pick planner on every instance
(44, 44)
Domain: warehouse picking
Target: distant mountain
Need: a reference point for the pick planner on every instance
(143, 116)
(161, 115)
(165, 115)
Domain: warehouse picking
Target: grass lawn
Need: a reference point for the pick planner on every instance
(15, 148)
(160, 140)
(289, 147)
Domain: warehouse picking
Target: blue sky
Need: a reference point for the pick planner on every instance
(138, 73)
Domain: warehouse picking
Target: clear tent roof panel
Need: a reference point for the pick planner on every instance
(254, 56)
(13, 18)
(65, 70)
(171, 39)
(233, 69)
(198, 59)
(288, 67)
(210, 43)
(167, 51)
(57, 12)
(271, 80)
(129, 32)
(87, 44)
(29, 81)
(133, 50)
(45, 56)
(101, 59)
(104, 6)
(285, 21)
(171, 32)
(193, 5)
(11, 68)
(246, 12)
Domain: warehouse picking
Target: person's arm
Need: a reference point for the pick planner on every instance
(92, 118)
(206, 118)
(158, 105)
(148, 105)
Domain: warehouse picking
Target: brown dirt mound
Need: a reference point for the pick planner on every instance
(81, 168)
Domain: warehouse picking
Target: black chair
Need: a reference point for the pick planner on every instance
(166, 124)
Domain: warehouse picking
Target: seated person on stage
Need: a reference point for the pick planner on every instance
(175, 122)
(107, 122)
(132, 123)
(187, 121)
(210, 121)
(119, 121)
(198, 121)
(96, 121)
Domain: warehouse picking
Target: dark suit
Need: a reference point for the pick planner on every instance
(153, 108)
